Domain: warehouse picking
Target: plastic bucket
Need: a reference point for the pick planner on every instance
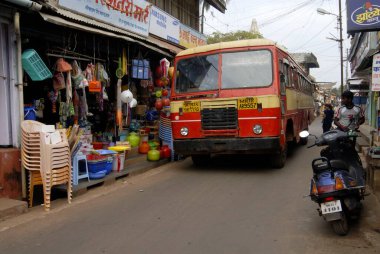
(115, 163)
(121, 161)
(29, 113)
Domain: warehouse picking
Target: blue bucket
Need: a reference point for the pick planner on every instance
(29, 113)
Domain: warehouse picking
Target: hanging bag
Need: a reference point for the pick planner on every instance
(58, 81)
(62, 66)
(94, 86)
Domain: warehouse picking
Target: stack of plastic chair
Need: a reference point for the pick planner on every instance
(47, 164)
(31, 153)
(55, 167)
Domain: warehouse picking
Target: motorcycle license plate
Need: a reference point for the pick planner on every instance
(331, 207)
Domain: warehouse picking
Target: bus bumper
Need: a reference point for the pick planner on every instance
(228, 146)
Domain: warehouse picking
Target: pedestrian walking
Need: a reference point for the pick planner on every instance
(328, 117)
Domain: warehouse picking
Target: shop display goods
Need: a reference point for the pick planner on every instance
(144, 147)
(34, 66)
(153, 155)
(133, 139)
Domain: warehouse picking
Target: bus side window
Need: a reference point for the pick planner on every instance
(283, 78)
(295, 78)
(290, 76)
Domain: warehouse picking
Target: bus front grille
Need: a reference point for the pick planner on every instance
(219, 118)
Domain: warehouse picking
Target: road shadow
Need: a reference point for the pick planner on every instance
(235, 163)
(244, 162)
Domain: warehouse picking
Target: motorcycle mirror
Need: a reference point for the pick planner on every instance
(304, 134)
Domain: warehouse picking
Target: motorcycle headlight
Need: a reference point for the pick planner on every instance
(184, 131)
(257, 129)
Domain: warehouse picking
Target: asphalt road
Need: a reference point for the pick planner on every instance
(235, 205)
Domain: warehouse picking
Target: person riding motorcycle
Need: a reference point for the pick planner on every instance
(348, 116)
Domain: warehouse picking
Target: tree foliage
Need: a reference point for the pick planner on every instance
(231, 36)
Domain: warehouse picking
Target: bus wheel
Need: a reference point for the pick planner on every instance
(303, 141)
(200, 159)
(280, 159)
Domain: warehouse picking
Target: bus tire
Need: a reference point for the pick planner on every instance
(303, 141)
(280, 158)
(200, 159)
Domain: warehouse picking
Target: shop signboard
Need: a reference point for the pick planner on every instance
(376, 73)
(189, 38)
(131, 15)
(163, 25)
(363, 15)
(367, 46)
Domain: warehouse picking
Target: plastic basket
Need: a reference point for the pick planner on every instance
(97, 175)
(34, 66)
(97, 165)
(29, 113)
(92, 158)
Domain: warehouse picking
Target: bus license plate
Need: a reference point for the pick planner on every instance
(191, 106)
(247, 103)
(331, 207)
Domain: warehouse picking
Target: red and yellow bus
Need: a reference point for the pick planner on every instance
(245, 96)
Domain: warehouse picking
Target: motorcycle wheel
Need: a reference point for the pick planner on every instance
(341, 227)
(200, 159)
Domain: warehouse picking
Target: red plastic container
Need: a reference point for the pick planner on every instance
(97, 145)
(96, 158)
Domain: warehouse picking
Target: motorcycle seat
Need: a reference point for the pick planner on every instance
(339, 164)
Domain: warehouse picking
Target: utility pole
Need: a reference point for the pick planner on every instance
(341, 46)
(203, 16)
(340, 40)
(348, 51)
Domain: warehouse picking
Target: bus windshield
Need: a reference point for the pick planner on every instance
(247, 69)
(241, 69)
(197, 74)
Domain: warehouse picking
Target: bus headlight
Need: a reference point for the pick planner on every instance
(257, 129)
(184, 131)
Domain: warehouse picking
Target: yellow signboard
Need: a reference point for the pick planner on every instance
(247, 103)
(191, 106)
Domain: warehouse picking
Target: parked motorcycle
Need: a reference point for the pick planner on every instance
(338, 182)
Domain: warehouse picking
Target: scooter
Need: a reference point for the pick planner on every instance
(338, 182)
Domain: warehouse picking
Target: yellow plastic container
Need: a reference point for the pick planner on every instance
(119, 148)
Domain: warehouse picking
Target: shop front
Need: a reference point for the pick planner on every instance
(105, 85)
(364, 47)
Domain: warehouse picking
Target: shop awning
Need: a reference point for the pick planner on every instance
(162, 44)
(63, 22)
(358, 85)
(217, 4)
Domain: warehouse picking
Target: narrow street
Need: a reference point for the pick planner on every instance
(236, 205)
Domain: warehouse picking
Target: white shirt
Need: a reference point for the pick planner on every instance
(349, 117)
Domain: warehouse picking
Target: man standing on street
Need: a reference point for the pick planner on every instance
(348, 116)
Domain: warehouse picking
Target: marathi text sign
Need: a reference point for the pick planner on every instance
(190, 38)
(363, 15)
(376, 73)
(163, 25)
(131, 15)
(191, 106)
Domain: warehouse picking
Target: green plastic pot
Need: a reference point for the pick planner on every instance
(134, 139)
(153, 155)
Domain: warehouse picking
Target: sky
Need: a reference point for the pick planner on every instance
(295, 24)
